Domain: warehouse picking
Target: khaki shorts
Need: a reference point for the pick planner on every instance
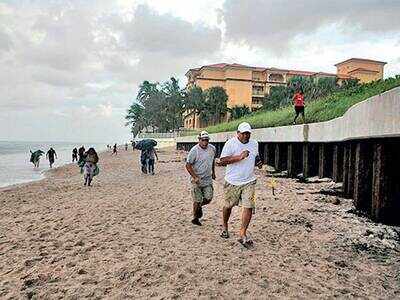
(240, 195)
(202, 194)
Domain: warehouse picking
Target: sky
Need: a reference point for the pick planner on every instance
(70, 69)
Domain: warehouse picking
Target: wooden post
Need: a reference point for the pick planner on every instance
(363, 177)
(280, 157)
(325, 161)
(294, 159)
(310, 160)
(351, 172)
(346, 167)
(337, 163)
(385, 183)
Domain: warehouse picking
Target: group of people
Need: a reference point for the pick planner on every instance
(114, 148)
(51, 156)
(240, 156)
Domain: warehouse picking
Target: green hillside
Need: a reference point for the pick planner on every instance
(322, 109)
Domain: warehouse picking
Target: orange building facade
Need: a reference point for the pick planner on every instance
(247, 86)
(365, 70)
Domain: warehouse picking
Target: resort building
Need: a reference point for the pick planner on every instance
(247, 86)
(365, 70)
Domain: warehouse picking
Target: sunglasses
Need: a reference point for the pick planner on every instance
(203, 140)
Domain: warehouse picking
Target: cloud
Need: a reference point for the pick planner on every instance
(5, 41)
(274, 24)
(150, 32)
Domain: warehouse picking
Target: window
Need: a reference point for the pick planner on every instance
(276, 77)
(256, 76)
(257, 100)
(258, 90)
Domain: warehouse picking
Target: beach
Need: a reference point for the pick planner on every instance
(130, 236)
(15, 165)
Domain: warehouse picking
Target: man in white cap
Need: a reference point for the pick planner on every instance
(200, 165)
(240, 156)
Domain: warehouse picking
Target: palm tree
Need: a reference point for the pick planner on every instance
(135, 118)
(174, 103)
(215, 104)
(146, 91)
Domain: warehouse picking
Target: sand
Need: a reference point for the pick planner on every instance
(130, 236)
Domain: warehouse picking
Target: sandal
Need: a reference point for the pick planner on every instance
(224, 234)
(246, 242)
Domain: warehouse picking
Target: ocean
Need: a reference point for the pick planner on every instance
(14, 159)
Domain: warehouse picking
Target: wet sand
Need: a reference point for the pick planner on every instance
(130, 236)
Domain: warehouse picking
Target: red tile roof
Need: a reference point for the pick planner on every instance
(304, 73)
(361, 59)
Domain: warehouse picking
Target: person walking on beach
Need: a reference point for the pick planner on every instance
(298, 101)
(89, 169)
(201, 167)
(240, 155)
(74, 154)
(81, 153)
(151, 156)
(35, 157)
(51, 155)
(143, 160)
(115, 151)
(126, 146)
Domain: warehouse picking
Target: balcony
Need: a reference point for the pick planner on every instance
(256, 102)
(258, 94)
(274, 77)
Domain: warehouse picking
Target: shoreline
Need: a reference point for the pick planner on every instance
(43, 175)
(130, 236)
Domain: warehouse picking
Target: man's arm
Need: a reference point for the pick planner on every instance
(155, 153)
(227, 160)
(213, 170)
(259, 162)
(190, 170)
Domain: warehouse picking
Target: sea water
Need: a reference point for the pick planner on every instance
(14, 159)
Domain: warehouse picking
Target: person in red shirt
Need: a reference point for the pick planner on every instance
(298, 101)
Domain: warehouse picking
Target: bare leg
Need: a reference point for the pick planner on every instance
(294, 121)
(196, 207)
(196, 213)
(246, 217)
(226, 213)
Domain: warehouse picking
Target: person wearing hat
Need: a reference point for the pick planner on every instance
(240, 156)
(200, 166)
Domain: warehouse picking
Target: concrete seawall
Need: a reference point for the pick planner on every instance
(359, 149)
(376, 117)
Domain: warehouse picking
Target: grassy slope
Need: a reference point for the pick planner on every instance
(324, 109)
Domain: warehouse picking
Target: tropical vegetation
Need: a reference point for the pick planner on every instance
(160, 107)
(322, 108)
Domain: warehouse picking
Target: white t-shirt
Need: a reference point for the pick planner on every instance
(241, 172)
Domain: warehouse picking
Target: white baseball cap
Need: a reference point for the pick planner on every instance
(204, 135)
(244, 127)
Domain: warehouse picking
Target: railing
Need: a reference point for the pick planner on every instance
(258, 93)
(157, 135)
(160, 135)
